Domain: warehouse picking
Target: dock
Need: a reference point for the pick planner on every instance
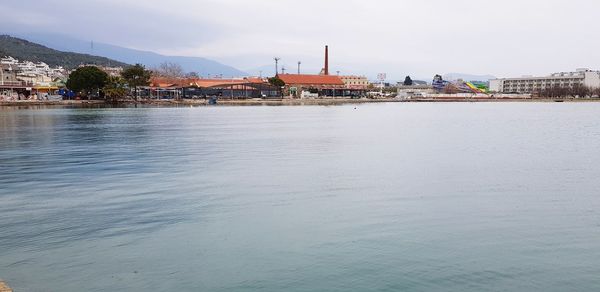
(4, 287)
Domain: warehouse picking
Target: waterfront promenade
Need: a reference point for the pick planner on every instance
(275, 102)
(200, 102)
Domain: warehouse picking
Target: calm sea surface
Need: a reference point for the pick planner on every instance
(376, 197)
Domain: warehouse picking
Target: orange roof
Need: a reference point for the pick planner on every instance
(255, 80)
(200, 82)
(168, 82)
(203, 82)
(304, 79)
(216, 82)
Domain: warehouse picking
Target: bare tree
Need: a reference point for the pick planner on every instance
(169, 70)
(575, 91)
(192, 75)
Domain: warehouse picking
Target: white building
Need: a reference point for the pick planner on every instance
(39, 74)
(111, 71)
(530, 84)
(408, 91)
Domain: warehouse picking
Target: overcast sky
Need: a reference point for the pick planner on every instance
(418, 37)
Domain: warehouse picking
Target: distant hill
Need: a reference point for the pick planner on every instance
(27, 51)
(467, 77)
(199, 65)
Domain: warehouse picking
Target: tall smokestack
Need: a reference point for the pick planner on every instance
(326, 70)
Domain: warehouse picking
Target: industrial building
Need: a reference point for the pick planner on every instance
(323, 84)
(304, 85)
(234, 88)
(529, 84)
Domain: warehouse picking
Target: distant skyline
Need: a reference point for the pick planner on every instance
(417, 38)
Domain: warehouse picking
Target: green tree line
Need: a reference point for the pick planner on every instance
(90, 81)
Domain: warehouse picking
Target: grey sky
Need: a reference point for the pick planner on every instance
(420, 38)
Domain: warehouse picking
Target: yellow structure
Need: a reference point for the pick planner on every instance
(4, 287)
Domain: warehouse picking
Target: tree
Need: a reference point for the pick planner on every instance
(115, 88)
(557, 91)
(192, 75)
(276, 81)
(169, 70)
(408, 81)
(86, 80)
(136, 76)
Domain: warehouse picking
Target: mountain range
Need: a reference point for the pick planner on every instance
(202, 66)
(467, 77)
(60, 50)
(28, 51)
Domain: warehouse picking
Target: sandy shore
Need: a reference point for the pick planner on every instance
(4, 287)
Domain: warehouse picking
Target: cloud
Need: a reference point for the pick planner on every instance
(399, 37)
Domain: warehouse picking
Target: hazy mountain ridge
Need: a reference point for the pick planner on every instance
(200, 65)
(467, 77)
(29, 51)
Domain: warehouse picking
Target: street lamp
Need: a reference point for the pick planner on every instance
(276, 65)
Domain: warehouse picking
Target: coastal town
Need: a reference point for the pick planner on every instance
(299, 146)
(23, 80)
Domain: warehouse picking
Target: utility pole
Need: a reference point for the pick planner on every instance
(299, 63)
(276, 65)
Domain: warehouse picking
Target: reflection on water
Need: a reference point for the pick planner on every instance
(80, 176)
(386, 197)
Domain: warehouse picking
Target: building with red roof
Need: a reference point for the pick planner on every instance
(307, 85)
(304, 85)
(250, 87)
(305, 80)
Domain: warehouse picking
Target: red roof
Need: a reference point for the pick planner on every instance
(293, 79)
(255, 80)
(204, 82)
(168, 82)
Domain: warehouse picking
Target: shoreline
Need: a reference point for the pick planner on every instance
(533, 100)
(198, 102)
(271, 102)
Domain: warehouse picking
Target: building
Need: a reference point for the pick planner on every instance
(11, 88)
(529, 84)
(409, 91)
(302, 85)
(8, 76)
(323, 84)
(27, 80)
(356, 82)
(111, 71)
(230, 88)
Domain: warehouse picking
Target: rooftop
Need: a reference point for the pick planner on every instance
(203, 82)
(311, 79)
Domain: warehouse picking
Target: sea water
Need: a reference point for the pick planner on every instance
(373, 197)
